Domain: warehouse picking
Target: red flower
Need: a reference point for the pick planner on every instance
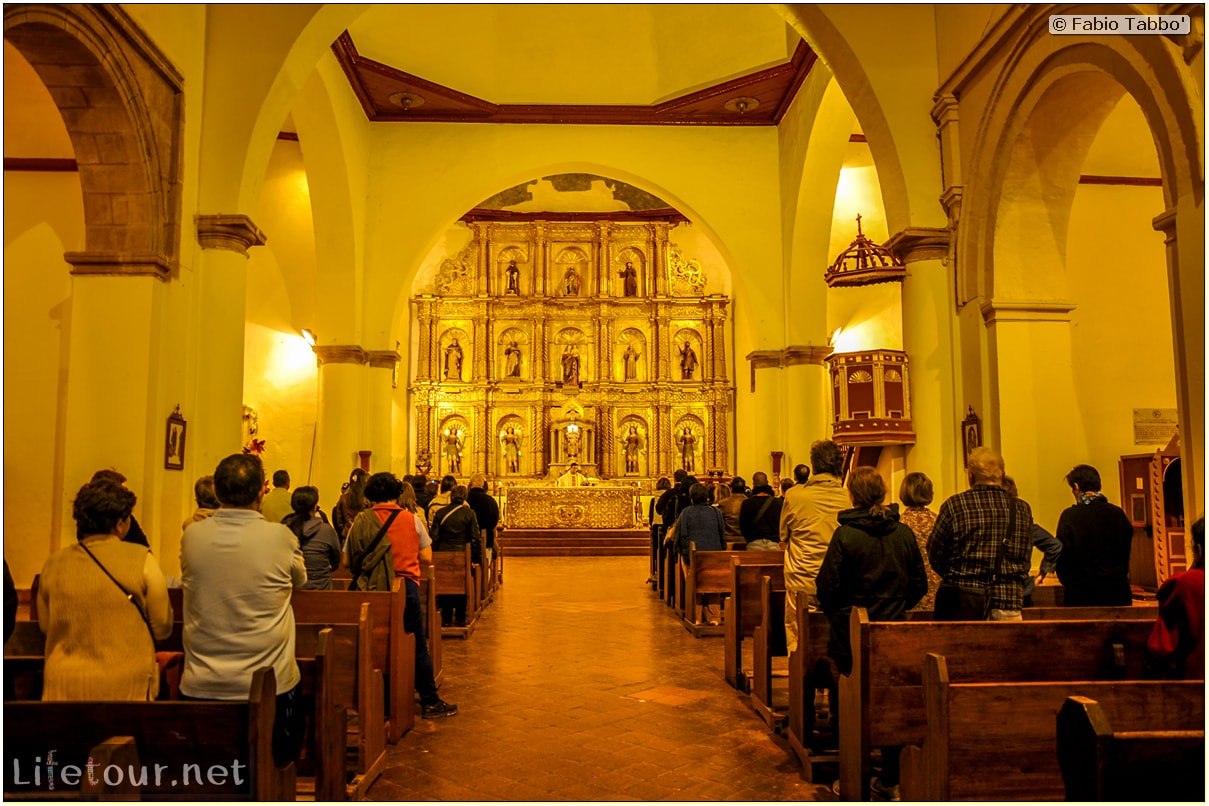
(256, 446)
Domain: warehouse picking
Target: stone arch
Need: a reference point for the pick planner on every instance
(814, 24)
(1044, 99)
(122, 102)
(1145, 70)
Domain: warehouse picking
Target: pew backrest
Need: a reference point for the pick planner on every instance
(999, 741)
(205, 750)
(743, 606)
(1148, 753)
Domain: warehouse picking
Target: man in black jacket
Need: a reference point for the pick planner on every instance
(1096, 538)
(453, 526)
(488, 513)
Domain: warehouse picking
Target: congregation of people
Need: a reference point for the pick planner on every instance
(103, 602)
(846, 546)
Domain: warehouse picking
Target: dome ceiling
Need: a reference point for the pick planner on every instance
(705, 64)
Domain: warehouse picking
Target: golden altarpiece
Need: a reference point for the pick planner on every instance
(571, 338)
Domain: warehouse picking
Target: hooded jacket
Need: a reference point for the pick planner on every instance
(873, 562)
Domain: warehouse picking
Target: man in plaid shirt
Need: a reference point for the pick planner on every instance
(969, 530)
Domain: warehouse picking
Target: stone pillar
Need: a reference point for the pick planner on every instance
(929, 321)
(380, 407)
(807, 384)
(215, 429)
(115, 409)
(342, 428)
(1035, 394)
(1184, 231)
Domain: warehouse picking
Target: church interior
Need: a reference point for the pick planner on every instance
(502, 239)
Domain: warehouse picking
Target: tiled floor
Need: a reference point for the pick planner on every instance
(579, 685)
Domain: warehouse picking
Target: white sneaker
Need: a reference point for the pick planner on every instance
(879, 792)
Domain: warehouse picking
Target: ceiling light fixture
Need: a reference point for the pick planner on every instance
(741, 105)
(407, 100)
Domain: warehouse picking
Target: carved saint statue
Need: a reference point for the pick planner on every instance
(571, 442)
(512, 361)
(453, 361)
(570, 361)
(630, 276)
(513, 275)
(687, 442)
(453, 450)
(688, 361)
(630, 357)
(511, 442)
(571, 282)
(632, 445)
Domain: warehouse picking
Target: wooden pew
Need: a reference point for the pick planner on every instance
(999, 740)
(392, 648)
(208, 750)
(1149, 753)
(351, 684)
(768, 641)
(432, 621)
(742, 609)
(119, 751)
(708, 574)
(881, 702)
(809, 668)
(323, 757)
(457, 575)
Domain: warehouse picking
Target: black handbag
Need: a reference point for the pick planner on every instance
(955, 603)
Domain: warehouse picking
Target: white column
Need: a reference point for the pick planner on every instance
(342, 429)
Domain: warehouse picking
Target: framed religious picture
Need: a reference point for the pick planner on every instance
(971, 435)
(174, 441)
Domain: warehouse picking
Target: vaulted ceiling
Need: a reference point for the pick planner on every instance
(659, 64)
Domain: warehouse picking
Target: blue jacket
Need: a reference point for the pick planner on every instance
(703, 525)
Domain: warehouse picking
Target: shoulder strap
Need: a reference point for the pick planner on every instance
(450, 512)
(763, 509)
(382, 532)
(129, 596)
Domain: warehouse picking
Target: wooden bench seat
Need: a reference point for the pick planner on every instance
(457, 575)
(742, 612)
(999, 740)
(202, 750)
(337, 669)
(392, 648)
(881, 702)
(1153, 751)
(432, 621)
(768, 641)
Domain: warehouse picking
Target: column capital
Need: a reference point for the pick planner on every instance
(944, 111)
(920, 243)
(1164, 222)
(341, 354)
(233, 232)
(119, 264)
(994, 310)
(382, 359)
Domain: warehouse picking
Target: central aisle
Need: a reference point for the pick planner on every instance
(579, 685)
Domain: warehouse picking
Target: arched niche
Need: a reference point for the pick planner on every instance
(514, 356)
(688, 444)
(633, 435)
(513, 276)
(456, 353)
(510, 431)
(571, 277)
(571, 360)
(455, 444)
(688, 358)
(630, 356)
(630, 279)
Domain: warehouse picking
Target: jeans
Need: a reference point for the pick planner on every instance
(413, 622)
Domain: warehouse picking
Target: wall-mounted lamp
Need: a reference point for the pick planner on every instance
(834, 337)
(309, 335)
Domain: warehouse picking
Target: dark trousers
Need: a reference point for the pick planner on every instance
(413, 622)
(453, 608)
(289, 727)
